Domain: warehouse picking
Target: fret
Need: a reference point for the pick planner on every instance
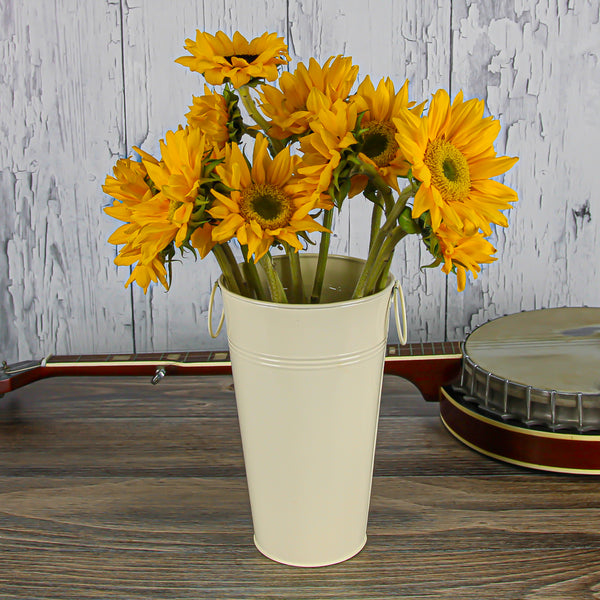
(119, 357)
(150, 357)
(195, 357)
(406, 350)
(74, 358)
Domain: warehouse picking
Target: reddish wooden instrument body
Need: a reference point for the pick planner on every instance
(561, 452)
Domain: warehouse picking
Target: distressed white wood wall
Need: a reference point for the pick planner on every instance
(80, 84)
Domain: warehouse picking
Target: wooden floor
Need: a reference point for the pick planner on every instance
(114, 488)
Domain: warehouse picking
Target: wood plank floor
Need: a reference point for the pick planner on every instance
(113, 488)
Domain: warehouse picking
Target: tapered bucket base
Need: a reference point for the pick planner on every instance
(292, 563)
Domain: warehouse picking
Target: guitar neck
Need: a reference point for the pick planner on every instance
(418, 362)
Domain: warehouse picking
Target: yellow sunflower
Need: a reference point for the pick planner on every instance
(463, 253)
(157, 201)
(210, 114)
(322, 148)
(237, 60)
(262, 206)
(451, 153)
(178, 177)
(129, 184)
(131, 189)
(379, 108)
(287, 106)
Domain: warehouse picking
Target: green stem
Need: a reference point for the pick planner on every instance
(252, 276)
(253, 111)
(315, 297)
(235, 269)
(253, 279)
(388, 199)
(228, 273)
(297, 287)
(380, 238)
(275, 285)
(383, 261)
(381, 283)
(375, 220)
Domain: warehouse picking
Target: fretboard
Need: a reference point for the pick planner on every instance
(148, 358)
(413, 350)
(424, 350)
(428, 365)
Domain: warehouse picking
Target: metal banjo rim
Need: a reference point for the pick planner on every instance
(508, 399)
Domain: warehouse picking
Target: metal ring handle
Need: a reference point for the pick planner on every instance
(210, 310)
(402, 331)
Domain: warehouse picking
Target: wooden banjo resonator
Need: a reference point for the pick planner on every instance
(523, 389)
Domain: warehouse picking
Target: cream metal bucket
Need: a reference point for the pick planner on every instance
(307, 382)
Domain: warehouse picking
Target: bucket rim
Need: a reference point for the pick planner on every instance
(322, 306)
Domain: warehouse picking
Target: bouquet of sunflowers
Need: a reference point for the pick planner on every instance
(426, 170)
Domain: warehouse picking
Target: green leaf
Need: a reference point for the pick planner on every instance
(344, 190)
(407, 223)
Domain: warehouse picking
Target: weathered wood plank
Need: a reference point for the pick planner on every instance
(175, 396)
(56, 276)
(158, 93)
(177, 538)
(536, 65)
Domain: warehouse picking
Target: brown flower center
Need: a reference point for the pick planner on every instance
(247, 57)
(266, 204)
(379, 142)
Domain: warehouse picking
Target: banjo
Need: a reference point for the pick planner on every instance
(529, 390)
(524, 388)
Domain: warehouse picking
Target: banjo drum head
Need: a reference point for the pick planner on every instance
(540, 367)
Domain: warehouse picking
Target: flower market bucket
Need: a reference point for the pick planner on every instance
(307, 381)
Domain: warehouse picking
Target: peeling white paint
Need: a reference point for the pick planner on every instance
(74, 97)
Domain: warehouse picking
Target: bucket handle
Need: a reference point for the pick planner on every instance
(210, 310)
(397, 293)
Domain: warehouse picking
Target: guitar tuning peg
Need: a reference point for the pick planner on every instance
(158, 375)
